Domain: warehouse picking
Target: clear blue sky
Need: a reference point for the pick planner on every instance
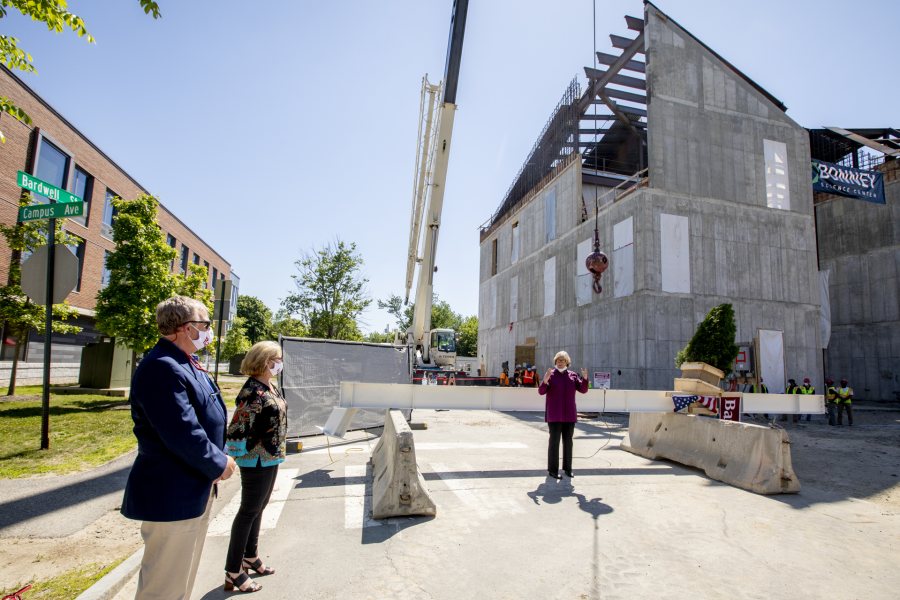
(274, 128)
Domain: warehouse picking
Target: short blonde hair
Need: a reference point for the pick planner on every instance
(562, 354)
(258, 357)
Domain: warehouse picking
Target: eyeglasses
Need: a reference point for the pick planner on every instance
(204, 325)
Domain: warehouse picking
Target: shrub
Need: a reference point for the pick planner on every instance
(713, 342)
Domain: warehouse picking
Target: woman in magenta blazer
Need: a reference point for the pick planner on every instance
(559, 385)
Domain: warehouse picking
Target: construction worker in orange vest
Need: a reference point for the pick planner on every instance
(528, 376)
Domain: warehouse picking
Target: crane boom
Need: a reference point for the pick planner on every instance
(432, 158)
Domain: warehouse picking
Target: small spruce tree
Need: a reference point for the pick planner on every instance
(713, 342)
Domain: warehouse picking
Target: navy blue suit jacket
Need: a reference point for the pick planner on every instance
(180, 428)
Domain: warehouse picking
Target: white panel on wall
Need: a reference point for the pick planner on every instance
(550, 216)
(675, 259)
(514, 254)
(549, 286)
(492, 303)
(583, 278)
(514, 299)
(623, 258)
(778, 193)
(771, 356)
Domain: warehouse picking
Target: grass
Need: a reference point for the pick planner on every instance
(65, 585)
(85, 431)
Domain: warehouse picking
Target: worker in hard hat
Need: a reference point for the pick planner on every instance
(831, 401)
(807, 388)
(845, 402)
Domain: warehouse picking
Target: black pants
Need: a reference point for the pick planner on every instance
(842, 406)
(256, 487)
(557, 430)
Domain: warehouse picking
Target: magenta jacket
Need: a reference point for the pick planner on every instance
(560, 407)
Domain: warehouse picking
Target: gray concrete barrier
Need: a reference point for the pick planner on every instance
(398, 489)
(748, 456)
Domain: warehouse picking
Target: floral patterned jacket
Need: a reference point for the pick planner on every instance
(256, 435)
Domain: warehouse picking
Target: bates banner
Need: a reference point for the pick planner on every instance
(730, 408)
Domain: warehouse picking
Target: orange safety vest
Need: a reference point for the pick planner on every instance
(528, 377)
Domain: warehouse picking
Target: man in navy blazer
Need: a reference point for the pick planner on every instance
(179, 422)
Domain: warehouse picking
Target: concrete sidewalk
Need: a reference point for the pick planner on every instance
(625, 527)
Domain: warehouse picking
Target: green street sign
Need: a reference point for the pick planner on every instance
(33, 184)
(51, 211)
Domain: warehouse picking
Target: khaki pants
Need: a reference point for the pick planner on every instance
(171, 556)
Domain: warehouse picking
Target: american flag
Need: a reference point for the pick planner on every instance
(710, 402)
(682, 402)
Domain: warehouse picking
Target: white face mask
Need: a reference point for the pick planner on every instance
(276, 369)
(203, 340)
(561, 369)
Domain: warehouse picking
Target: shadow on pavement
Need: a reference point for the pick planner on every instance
(552, 491)
(42, 503)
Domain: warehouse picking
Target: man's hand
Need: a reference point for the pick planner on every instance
(584, 374)
(230, 466)
(547, 375)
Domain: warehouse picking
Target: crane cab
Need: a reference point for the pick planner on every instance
(443, 347)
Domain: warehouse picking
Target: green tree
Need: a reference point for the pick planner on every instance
(713, 342)
(257, 318)
(139, 277)
(467, 345)
(330, 292)
(442, 315)
(236, 341)
(55, 15)
(379, 337)
(283, 324)
(193, 285)
(20, 314)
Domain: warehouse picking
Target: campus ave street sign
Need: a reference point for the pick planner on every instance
(51, 211)
(33, 184)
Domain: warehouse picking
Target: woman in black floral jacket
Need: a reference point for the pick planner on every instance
(256, 440)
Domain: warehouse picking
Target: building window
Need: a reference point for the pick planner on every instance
(184, 258)
(78, 250)
(550, 216)
(514, 256)
(109, 213)
(778, 194)
(173, 243)
(196, 258)
(206, 281)
(215, 277)
(52, 167)
(82, 186)
(494, 257)
(104, 278)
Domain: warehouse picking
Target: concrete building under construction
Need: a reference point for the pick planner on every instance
(698, 186)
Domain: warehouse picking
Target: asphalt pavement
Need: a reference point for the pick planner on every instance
(624, 527)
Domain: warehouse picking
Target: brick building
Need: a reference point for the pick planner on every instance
(54, 150)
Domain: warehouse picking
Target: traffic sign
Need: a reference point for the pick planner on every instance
(51, 211)
(34, 274)
(33, 184)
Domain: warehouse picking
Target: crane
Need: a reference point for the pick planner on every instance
(432, 347)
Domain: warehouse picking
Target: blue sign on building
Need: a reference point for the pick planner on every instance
(845, 181)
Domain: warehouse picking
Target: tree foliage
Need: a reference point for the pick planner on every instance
(236, 341)
(139, 277)
(56, 16)
(257, 318)
(467, 344)
(442, 314)
(283, 324)
(713, 342)
(330, 292)
(20, 314)
(193, 285)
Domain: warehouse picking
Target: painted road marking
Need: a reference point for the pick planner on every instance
(357, 504)
(337, 449)
(284, 483)
(484, 502)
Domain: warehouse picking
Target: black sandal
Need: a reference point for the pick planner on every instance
(236, 584)
(258, 566)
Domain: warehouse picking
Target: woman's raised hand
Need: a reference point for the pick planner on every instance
(584, 374)
(547, 375)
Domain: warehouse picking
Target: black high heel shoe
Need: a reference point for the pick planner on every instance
(258, 566)
(236, 584)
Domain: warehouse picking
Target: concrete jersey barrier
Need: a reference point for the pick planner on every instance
(398, 489)
(747, 456)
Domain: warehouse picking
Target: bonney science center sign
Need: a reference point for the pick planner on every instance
(844, 181)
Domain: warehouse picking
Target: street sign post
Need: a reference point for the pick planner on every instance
(51, 211)
(38, 186)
